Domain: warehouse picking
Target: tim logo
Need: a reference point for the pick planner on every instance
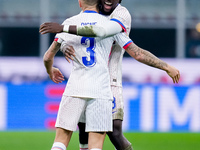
(162, 108)
(88, 23)
(3, 108)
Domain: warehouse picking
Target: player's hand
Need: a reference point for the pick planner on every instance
(50, 27)
(173, 73)
(68, 52)
(56, 76)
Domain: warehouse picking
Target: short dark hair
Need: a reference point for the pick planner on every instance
(120, 1)
(91, 2)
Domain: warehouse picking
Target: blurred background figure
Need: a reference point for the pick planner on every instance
(193, 44)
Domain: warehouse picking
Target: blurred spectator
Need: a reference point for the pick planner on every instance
(1, 45)
(193, 44)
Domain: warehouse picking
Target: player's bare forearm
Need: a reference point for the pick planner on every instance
(53, 27)
(49, 56)
(54, 73)
(50, 27)
(48, 63)
(146, 57)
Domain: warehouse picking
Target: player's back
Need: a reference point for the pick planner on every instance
(90, 75)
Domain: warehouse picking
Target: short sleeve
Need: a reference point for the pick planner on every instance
(123, 40)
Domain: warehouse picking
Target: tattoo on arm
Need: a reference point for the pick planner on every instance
(146, 57)
(56, 47)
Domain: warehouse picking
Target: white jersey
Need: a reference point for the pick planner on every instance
(123, 17)
(90, 75)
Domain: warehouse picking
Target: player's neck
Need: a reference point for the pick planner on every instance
(90, 8)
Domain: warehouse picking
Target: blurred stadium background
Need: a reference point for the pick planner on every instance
(158, 114)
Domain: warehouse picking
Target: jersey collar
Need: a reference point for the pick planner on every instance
(90, 11)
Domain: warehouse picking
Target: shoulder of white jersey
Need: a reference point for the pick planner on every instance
(122, 16)
(122, 11)
(123, 40)
(60, 37)
(120, 7)
(70, 20)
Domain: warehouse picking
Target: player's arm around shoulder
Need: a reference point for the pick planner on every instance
(53, 27)
(108, 29)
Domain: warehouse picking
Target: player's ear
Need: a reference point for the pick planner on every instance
(80, 5)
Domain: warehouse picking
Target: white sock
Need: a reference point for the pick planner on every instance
(95, 149)
(58, 146)
(83, 146)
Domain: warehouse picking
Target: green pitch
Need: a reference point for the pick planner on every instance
(140, 141)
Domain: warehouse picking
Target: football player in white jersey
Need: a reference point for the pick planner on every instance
(122, 16)
(112, 8)
(88, 88)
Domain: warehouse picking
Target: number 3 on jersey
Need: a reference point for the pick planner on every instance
(90, 43)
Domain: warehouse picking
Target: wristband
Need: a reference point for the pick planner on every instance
(66, 28)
